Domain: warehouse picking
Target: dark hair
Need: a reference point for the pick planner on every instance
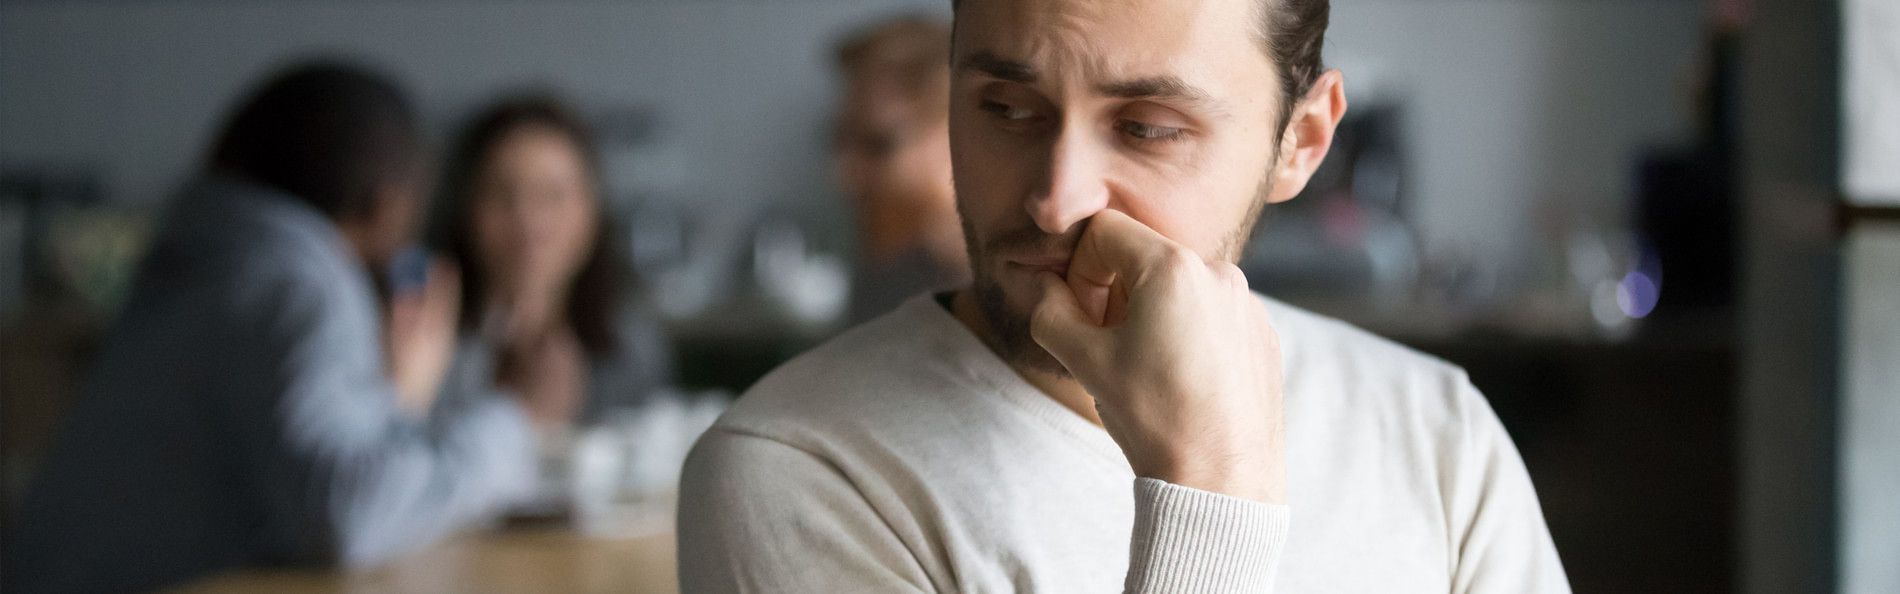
(593, 299)
(1293, 33)
(911, 50)
(326, 132)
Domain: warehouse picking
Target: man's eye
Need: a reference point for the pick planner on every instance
(1141, 131)
(1005, 111)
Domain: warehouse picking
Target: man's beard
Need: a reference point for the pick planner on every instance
(1009, 333)
(1009, 329)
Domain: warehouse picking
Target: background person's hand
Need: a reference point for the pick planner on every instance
(1178, 354)
(420, 336)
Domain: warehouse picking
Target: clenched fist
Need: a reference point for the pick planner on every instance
(1178, 354)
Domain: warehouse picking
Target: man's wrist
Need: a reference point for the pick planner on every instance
(1242, 476)
(1189, 540)
(1229, 485)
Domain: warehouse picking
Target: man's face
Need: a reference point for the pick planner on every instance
(1166, 111)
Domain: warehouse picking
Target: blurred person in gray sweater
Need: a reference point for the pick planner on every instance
(255, 403)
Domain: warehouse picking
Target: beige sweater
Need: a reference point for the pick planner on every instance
(904, 456)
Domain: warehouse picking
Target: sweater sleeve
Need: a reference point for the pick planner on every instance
(1189, 540)
(759, 515)
(1502, 542)
(347, 477)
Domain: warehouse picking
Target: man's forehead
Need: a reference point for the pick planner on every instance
(1109, 42)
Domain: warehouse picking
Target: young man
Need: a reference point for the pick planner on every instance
(242, 411)
(1110, 160)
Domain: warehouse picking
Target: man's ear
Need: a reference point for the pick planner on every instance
(1308, 135)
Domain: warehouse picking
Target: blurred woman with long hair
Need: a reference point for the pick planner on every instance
(522, 212)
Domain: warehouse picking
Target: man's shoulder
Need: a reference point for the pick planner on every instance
(225, 234)
(1311, 332)
(1332, 359)
(885, 369)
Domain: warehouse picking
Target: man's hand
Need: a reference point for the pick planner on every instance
(1178, 354)
(421, 336)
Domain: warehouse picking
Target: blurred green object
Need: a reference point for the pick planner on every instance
(94, 252)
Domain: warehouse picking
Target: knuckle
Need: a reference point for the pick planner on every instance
(1041, 322)
(1232, 275)
(1268, 334)
(1177, 259)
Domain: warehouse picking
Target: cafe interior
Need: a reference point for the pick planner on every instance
(1661, 236)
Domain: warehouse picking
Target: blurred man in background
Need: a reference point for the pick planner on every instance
(248, 407)
(892, 153)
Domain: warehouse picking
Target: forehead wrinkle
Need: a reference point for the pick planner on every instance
(1030, 40)
(1065, 38)
(1096, 47)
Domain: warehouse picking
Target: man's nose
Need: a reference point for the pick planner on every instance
(1071, 189)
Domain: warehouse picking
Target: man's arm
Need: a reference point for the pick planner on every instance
(346, 474)
(758, 515)
(1184, 370)
(1189, 540)
(1505, 546)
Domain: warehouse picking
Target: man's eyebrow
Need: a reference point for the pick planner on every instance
(988, 63)
(1159, 88)
(1163, 88)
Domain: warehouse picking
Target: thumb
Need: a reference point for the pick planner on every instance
(443, 290)
(403, 311)
(445, 280)
(1061, 326)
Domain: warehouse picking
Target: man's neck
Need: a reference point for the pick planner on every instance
(1065, 390)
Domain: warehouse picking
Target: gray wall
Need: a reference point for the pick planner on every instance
(1511, 104)
(136, 87)
(1870, 325)
(1870, 143)
(1517, 105)
(1870, 410)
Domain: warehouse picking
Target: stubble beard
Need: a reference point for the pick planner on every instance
(1009, 334)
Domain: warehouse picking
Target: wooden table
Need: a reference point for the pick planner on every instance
(517, 560)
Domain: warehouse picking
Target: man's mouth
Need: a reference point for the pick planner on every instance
(1055, 264)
